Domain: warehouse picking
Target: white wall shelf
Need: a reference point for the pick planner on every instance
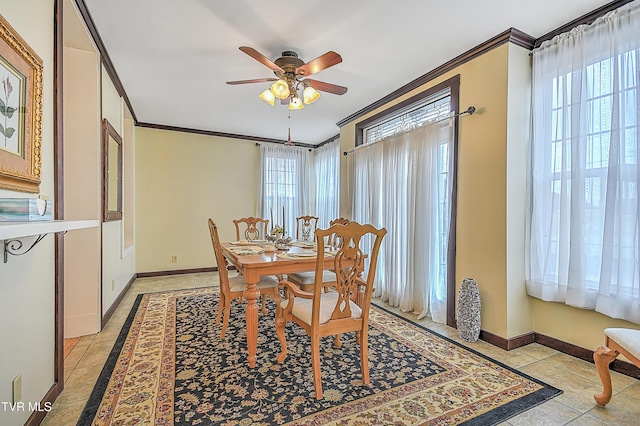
(12, 232)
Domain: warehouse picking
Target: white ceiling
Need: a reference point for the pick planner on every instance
(175, 57)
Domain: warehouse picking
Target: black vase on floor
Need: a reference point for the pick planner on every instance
(468, 310)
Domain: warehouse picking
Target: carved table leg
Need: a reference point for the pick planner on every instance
(251, 294)
(603, 356)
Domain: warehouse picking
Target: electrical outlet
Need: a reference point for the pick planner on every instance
(17, 388)
(174, 259)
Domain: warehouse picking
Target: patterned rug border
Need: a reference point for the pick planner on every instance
(93, 403)
(518, 406)
(495, 416)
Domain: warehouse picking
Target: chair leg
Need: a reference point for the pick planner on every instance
(364, 356)
(280, 323)
(225, 321)
(336, 341)
(315, 363)
(264, 304)
(603, 356)
(220, 305)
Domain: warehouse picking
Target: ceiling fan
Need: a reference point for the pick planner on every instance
(291, 76)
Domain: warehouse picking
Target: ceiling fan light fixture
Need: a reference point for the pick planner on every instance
(280, 89)
(295, 103)
(310, 95)
(268, 97)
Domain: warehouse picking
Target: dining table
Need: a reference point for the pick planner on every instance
(254, 265)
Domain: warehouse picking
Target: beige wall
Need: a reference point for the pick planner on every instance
(128, 196)
(27, 282)
(519, 305)
(579, 327)
(182, 180)
(118, 265)
(82, 190)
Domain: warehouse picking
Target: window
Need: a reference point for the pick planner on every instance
(286, 188)
(403, 180)
(280, 180)
(418, 115)
(583, 244)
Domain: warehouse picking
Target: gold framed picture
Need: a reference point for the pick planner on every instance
(20, 112)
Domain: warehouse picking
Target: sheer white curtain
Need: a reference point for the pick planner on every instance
(584, 227)
(286, 182)
(327, 183)
(404, 183)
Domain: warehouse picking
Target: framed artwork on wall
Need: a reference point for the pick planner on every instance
(111, 173)
(20, 112)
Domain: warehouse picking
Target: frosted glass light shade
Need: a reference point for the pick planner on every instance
(295, 103)
(268, 97)
(280, 89)
(310, 95)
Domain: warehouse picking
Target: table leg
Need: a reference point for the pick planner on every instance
(251, 294)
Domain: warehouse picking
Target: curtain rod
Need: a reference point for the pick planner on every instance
(469, 111)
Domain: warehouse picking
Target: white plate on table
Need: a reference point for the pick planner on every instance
(305, 244)
(303, 254)
(246, 250)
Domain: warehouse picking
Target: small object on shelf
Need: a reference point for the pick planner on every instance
(468, 310)
(25, 209)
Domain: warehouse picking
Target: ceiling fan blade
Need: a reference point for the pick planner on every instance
(320, 63)
(326, 87)
(257, 80)
(260, 58)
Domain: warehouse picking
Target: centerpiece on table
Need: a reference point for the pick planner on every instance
(277, 237)
(277, 234)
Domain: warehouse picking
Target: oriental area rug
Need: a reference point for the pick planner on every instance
(169, 367)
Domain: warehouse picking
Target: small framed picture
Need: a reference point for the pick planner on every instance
(20, 112)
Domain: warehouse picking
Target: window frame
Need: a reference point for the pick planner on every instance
(452, 84)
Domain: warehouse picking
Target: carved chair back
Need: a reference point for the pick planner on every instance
(334, 239)
(251, 228)
(349, 267)
(305, 227)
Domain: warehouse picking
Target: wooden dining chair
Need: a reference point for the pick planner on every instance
(625, 341)
(234, 287)
(253, 228)
(341, 311)
(305, 280)
(305, 227)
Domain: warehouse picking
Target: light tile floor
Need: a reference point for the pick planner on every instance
(578, 379)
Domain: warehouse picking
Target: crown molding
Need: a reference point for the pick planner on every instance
(511, 35)
(219, 134)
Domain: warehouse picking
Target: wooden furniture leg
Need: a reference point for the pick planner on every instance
(280, 324)
(251, 294)
(264, 304)
(603, 356)
(315, 364)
